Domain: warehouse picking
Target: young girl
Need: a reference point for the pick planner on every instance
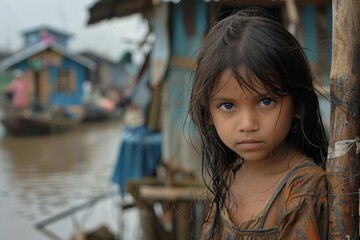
(263, 142)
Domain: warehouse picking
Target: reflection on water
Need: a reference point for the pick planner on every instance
(43, 175)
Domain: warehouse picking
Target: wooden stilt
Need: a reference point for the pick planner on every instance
(343, 166)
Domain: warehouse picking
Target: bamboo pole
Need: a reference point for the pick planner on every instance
(343, 165)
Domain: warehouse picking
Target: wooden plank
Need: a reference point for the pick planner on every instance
(172, 194)
(161, 48)
(44, 88)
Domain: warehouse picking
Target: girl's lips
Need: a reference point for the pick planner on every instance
(249, 141)
(249, 144)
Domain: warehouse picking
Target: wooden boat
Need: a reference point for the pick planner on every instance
(93, 113)
(32, 123)
(103, 109)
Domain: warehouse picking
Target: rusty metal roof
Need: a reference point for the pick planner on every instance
(107, 9)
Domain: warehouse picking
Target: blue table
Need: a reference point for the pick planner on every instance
(139, 155)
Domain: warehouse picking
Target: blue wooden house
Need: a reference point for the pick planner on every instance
(56, 74)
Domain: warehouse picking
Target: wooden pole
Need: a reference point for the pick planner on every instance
(343, 167)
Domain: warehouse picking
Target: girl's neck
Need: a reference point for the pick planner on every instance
(277, 163)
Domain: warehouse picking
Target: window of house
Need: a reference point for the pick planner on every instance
(66, 81)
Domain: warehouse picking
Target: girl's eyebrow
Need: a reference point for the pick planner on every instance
(232, 99)
(219, 98)
(263, 93)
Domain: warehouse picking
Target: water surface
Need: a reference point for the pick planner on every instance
(42, 176)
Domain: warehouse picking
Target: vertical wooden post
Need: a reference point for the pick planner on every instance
(343, 167)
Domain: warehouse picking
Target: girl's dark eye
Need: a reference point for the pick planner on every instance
(226, 106)
(266, 102)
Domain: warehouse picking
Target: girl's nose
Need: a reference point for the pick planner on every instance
(247, 121)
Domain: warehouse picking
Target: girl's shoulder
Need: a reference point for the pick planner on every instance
(306, 170)
(306, 180)
(306, 197)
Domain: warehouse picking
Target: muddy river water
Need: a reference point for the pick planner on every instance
(44, 176)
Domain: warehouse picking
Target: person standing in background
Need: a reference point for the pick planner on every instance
(18, 90)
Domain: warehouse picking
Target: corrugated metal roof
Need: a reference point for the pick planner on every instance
(36, 48)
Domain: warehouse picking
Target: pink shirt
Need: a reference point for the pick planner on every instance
(19, 87)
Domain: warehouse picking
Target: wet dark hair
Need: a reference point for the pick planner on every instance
(269, 52)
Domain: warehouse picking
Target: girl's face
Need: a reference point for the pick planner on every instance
(254, 124)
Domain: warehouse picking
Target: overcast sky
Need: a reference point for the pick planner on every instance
(105, 38)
